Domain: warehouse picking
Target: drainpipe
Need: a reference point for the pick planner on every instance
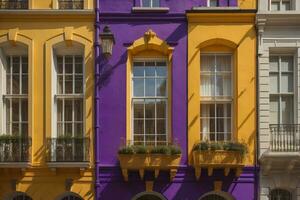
(97, 100)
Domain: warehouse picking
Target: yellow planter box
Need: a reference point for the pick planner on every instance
(217, 159)
(142, 162)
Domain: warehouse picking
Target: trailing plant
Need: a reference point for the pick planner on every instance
(227, 146)
(239, 147)
(174, 150)
(128, 150)
(215, 146)
(202, 146)
(160, 150)
(10, 137)
(140, 149)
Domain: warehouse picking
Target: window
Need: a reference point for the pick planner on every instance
(70, 4)
(216, 97)
(16, 96)
(150, 3)
(277, 5)
(281, 90)
(150, 102)
(69, 95)
(13, 4)
(279, 194)
(217, 3)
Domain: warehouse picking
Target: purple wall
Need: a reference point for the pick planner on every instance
(110, 104)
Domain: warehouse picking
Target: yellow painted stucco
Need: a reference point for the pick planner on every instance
(40, 30)
(234, 33)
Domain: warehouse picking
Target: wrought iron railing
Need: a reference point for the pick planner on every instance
(285, 137)
(70, 4)
(68, 150)
(14, 149)
(13, 4)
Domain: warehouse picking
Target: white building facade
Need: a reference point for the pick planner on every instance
(278, 25)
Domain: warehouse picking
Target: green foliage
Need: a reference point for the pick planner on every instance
(127, 150)
(202, 146)
(231, 146)
(160, 150)
(175, 150)
(9, 137)
(226, 146)
(140, 149)
(165, 150)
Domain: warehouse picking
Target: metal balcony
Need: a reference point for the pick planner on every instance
(13, 4)
(70, 4)
(14, 149)
(285, 137)
(68, 150)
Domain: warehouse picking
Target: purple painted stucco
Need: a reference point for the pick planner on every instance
(110, 105)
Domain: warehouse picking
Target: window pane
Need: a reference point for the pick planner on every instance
(223, 63)
(60, 131)
(274, 63)
(24, 65)
(78, 65)
(207, 63)
(15, 129)
(60, 84)
(68, 64)
(24, 129)
(78, 110)
(59, 110)
(220, 110)
(150, 127)
(287, 110)
(78, 84)
(150, 87)
(274, 110)
(275, 5)
(68, 84)
(161, 109)
(59, 64)
(287, 83)
(15, 110)
(8, 84)
(150, 71)
(68, 130)
(78, 130)
(146, 3)
(138, 107)
(16, 65)
(150, 108)
(286, 5)
(68, 110)
(24, 84)
(24, 113)
(161, 87)
(138, 71)
(138, 127)
(16, 84)
(286, 63)
(138, 87)
(161, 71)
(274, 83)
(207, 87)
(161, 126)
(155, 3)
(213, 3)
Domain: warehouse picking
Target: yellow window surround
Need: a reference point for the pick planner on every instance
(148, 47)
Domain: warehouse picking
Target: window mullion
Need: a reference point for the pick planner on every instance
(63, 75)
(11, 76)
(20, 75)
(279, 88)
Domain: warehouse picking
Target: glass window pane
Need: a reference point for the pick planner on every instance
(15, 110)
(150, 71)
(274, 83)
(155, 3)
(24, 129)
(220, 110)
(275, 6)
(223, 63)
(161, 71)
(78, 130)
(161, 126)
(274, 63)
(138, 71)
(15, 129)
(150, 87)
(161, 87)
(8, 84)
(138, 127)
(59, 110)
(78, 65)
(16, 65)
(78, 84)
(68, 110)
(150, 108)
(287, 82)
(286, 63)
(213, 3)
(60, 84)
(207, 63)
(16, 84)
(286, 5)
(60, 131)
(78, 110)
(146, 3)
(24, 84)
(24, 66)
(68, 64)
(138, 87)
(24, 107)
(207, 87)
(68, 84)
(274, 110)
(138, 107)
(287, 110)
(68, 130)
(161, 109)
(59, 64)
(150, 127)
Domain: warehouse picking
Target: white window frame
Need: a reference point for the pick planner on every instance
(214, 99)
(10, 96)
(151, 4)
(56, 96)
(280, 94)
(281, 5)
(166, 99)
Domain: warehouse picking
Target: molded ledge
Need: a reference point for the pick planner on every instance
(14, 164)
(215, 8)
(68, 164)
(152, 10)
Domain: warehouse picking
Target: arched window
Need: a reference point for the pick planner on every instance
(280, 194)
(217, 196)
(70, 196)
(19, 196)
(149, 196)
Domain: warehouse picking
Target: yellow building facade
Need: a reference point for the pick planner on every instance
(221, 80)
(47, 70)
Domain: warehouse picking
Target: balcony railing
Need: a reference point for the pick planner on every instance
(13, 4)
(69, 4)
(14, 149)
(68, 149)
(285, 137)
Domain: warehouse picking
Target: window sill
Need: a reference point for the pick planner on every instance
(147, 10)
(14, 165)
(216, 8)
(68, 164)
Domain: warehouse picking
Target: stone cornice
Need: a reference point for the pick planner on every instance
(278, 18)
